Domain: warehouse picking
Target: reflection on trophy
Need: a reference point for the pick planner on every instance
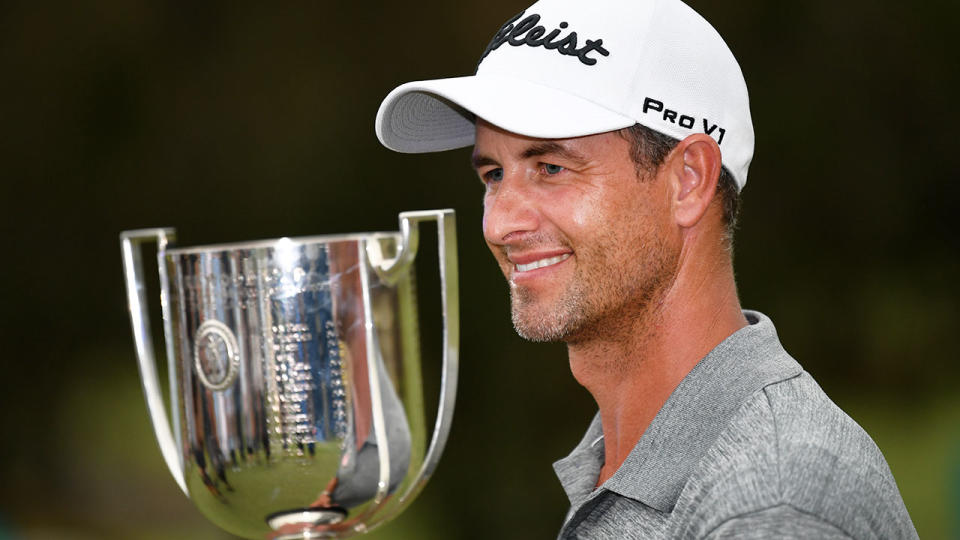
(296, 392)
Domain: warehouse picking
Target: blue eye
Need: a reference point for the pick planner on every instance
(493, 175)
(552, 169)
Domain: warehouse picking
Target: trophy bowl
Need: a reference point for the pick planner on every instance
(295, 375)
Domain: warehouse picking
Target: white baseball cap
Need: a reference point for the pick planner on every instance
(568, 68)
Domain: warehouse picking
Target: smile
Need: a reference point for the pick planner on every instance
(542, 263)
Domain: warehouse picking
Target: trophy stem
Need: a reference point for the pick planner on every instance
(302, 522)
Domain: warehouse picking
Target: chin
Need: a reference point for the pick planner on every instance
(542, 325)
(542, 321)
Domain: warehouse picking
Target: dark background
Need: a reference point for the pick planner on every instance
(234, 122)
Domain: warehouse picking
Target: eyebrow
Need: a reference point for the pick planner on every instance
(534, 150)
(548, 148)
(481, 161)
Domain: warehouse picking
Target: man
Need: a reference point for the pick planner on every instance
(613, 138)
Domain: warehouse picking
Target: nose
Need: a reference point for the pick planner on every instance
(509, 210)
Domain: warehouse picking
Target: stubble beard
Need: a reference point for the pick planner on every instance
(543, 326)
(602, 300)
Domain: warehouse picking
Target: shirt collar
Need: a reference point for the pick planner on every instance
(688, 424)
(578, 472)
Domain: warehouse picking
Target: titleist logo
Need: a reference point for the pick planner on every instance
(528, 32)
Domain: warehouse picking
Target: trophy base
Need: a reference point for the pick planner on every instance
(297, 524)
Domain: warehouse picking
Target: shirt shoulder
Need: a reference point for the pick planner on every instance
(777, 522)
(790, 446)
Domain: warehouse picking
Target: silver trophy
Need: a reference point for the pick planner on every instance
(295, 380)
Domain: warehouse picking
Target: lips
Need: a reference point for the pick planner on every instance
(540, 263)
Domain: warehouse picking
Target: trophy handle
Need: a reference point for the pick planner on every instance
(450, 301)
(130, 242)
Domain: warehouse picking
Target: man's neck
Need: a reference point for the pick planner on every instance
(631, 376)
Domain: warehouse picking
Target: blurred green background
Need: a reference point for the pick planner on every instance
(234, 122)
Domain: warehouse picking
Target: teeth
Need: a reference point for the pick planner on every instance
(541, 263)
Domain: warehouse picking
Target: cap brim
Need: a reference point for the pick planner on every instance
(430, 116)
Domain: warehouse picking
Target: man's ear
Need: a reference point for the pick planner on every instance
(695, 165)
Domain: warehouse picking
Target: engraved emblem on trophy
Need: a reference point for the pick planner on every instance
(215, 353)
(296, 401)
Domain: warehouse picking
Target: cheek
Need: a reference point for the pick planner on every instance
(607, 208)
(586, 213)
(575, 207)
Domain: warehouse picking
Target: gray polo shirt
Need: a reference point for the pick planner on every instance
(746, 446)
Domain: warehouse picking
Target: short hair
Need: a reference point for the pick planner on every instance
(648, 149)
